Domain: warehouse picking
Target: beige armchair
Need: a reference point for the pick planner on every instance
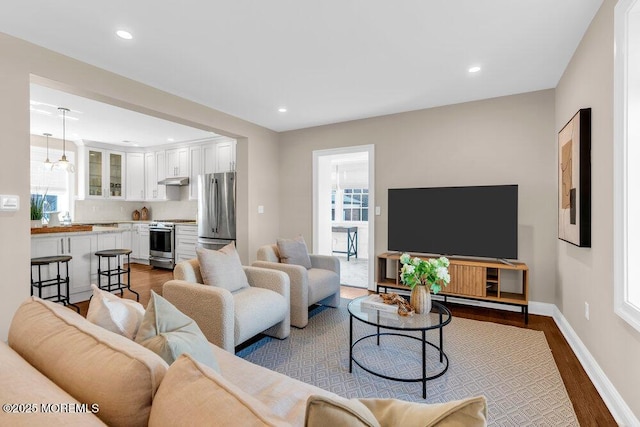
(227, 318)
(318, 285)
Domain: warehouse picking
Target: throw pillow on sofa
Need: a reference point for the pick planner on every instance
(222, 268)
(168, 332)
(116, 373)
(337, 411)
(469, 412)
(122, 316)
(206, 397)
(294, 251)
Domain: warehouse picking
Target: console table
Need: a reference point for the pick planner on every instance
(470, 279)
(352, 240)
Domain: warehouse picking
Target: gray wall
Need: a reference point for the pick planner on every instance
(586, 274)
(508, 140)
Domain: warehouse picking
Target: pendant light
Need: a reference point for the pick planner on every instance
(63, 163)
(48, 162)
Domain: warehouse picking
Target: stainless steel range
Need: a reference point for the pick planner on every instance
(162, 242)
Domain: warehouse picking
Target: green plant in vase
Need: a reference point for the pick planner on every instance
(419, 274)
(37, 206)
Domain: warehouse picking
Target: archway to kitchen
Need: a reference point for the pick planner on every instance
(201, 148)
(343, 221)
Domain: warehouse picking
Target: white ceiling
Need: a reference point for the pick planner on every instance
(326, 61)
(90, 120)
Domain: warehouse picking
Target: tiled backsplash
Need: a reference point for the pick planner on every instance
(111, 210)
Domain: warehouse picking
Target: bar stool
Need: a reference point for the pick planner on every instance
(116, 272)
(56, 281)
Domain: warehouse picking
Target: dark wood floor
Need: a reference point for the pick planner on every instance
(587, 403)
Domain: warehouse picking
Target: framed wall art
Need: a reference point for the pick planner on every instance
(574, 180)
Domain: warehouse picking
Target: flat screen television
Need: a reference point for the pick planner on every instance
(480, 221)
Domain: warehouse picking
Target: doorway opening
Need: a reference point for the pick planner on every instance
(343, 221)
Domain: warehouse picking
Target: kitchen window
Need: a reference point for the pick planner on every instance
(58, 184)
(354, 206)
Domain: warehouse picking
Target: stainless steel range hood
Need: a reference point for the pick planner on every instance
(176, 180)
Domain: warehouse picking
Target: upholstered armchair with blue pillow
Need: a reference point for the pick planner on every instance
(230, 302)
(314, 279)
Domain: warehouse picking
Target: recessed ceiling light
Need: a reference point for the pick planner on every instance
(282, 109)
(474, 69)
(170, 139)
(124, 34)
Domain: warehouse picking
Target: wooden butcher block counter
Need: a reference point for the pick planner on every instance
(62, 229)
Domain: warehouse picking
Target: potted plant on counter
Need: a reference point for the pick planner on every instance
(37, 209)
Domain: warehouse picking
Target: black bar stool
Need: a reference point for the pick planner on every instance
(56, 281)
(116, 272)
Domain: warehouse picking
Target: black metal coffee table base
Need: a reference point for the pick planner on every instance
(443, 316)
(424, 378)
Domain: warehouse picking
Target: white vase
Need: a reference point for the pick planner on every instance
(36, 223)
(421, 299)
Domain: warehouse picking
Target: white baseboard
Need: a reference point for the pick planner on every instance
(616, 404)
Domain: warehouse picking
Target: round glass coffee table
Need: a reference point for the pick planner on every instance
(400, 326)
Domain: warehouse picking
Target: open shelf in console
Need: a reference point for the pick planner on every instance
(471, 279)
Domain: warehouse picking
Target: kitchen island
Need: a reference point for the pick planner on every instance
(81, 245)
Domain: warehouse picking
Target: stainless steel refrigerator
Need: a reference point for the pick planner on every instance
(216, 209)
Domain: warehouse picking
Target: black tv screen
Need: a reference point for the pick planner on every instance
(479, 221)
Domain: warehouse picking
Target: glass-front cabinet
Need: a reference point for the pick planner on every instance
(95, 173)
(105, 174)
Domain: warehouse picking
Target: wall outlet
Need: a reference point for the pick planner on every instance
(586, 310)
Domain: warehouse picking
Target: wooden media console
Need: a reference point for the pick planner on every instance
(471, 279)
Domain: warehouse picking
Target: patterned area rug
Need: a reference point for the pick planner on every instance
(512, 367)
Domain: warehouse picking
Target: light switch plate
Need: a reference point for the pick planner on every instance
(9, 202)
(377, 210)
(260, 209)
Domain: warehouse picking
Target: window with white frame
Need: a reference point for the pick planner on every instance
(354, 204)
(57, 184)
(626, 159)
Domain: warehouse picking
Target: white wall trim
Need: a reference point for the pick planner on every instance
(625, 273)
(614, 401)
(616, 404)
(370, 149)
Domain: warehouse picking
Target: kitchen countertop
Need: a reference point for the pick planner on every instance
(70, 231)
(61, 229)
(130, 221)
(92, 227)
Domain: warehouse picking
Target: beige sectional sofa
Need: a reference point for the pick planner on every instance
(60, 369)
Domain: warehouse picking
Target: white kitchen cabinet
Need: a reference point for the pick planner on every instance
(140, 243)
(154, 168)
(104, 177)
(209, 158)
(82, 266)
(127, 230)
(226, 156)
(203, 159)
(108, 241)
(161, 171)
(135, 176)
(186, 241)
(177, 162)
(150, 176)
(196, 160)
